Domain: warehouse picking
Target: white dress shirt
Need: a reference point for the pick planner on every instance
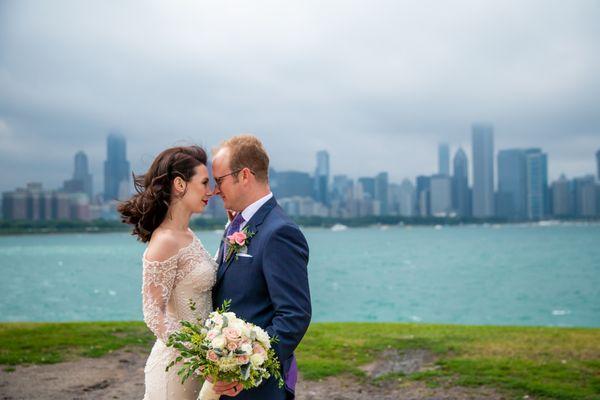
(248, 213)
(253, 208)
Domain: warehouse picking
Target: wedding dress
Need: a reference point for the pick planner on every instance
(167, 289)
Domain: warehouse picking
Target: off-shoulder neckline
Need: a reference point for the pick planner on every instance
(194, 240)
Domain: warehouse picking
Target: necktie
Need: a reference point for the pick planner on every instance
(234, 226)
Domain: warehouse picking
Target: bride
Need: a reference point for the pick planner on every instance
(176, 267)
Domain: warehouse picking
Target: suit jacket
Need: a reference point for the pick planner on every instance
(270, 289)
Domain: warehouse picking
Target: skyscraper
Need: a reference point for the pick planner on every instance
(82, 179)
(460, 184)
(293, 183)
(116, 167)
(322, 177)
(342, 188)
(422, 195)
(562, 198)
(512, 184)
(444, 159)
(407, 198)
(598, 165)
(381, 191)
(367, 185)
(483, 171)
(441, 195)
(585, 196)
(537, 183)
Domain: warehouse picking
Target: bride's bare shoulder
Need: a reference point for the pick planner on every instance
(164, 244)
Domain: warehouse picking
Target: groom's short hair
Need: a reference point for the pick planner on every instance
(246, 151)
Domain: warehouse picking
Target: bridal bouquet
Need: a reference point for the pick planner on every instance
(224, 348)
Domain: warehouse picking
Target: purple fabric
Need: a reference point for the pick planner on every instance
(292, 375)
(234, 226)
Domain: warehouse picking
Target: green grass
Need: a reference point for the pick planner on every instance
(551, 363)
(554, 363)
(47, 343)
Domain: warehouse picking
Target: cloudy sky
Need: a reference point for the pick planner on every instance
(376, 83)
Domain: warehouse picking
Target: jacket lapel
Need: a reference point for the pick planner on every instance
(252, 226)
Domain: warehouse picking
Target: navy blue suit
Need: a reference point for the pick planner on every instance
(270, 289)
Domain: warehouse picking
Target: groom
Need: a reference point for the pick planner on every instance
(268, 284)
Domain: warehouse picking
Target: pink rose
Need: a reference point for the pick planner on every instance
(243, 359)
(258, 349)
(231, 334)
(212, 356)
(231, 346)
(239, 238)
(211, 335)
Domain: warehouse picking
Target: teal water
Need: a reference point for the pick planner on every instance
(506, 275)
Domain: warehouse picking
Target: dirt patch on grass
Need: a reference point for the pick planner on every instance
(406, 362)
(120, 375)
(349, 388)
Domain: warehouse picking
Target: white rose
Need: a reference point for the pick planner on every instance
(262, 337)
(230, 316)
(218, 342)
(238, 324)
(257, 360)
(217, 320)
(246, 329)
(246, 348)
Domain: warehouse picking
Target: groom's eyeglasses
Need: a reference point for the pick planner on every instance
(219, 180)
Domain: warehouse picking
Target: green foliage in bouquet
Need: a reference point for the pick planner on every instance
(192, 345)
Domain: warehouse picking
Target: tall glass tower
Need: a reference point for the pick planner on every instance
(483, 170)
(460, 184)
(598, 164)
(81, 173)
(322, 177)
(116, 167)
(381, 191)
(537, 184)
(512, 184)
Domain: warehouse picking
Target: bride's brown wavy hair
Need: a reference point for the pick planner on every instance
(147, 209)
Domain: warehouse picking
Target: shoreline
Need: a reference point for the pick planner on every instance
(328, 225)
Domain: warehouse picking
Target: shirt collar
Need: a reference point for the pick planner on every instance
(253, 208)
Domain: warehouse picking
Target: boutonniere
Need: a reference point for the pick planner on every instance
(237, 243)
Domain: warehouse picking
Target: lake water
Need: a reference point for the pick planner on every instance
(504, 275)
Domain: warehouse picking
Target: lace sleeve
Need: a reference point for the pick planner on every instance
(158, 281)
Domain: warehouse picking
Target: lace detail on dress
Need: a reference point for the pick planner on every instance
(166, 290)
(193, 256)
(158, 281)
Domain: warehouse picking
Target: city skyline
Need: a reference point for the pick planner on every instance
(377, 86)
(446, 147)
(523, 191)
(117, 166)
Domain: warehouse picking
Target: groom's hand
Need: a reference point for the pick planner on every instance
(230, 389)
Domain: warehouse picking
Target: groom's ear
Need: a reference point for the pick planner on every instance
(246, 172)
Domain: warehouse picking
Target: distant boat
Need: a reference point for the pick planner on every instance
(338, 227)
(549, 223)
(438, 227)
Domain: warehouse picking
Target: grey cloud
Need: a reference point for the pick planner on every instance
(378, 84)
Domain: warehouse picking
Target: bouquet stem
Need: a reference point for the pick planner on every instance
(207, 392)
